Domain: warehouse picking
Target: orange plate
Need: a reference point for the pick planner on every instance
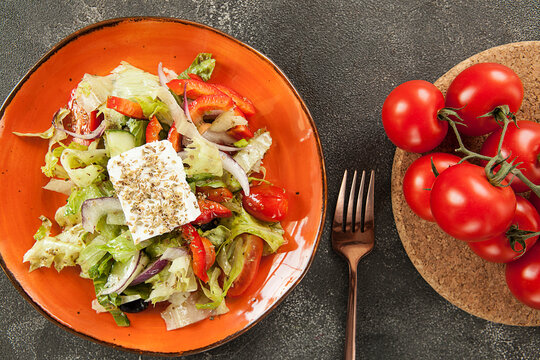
(295, 162)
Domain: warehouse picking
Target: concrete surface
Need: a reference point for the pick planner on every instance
(344, 57)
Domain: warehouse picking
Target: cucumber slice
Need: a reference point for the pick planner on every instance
(118, 141)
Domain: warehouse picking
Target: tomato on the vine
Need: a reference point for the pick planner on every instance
(410, 116)
(266, 202)
(478, 90)
(419, 179)
(498, 249)
(523, 278)
(522, 143)
(468, 207)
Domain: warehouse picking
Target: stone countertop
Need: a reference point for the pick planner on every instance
(343, 57)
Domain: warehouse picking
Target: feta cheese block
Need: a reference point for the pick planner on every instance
(150, 183)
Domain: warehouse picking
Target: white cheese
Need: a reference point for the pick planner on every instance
(150, 183)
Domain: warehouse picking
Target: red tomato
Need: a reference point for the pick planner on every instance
(535, 201)
(478, 90)
(522, 144)
(266, 202)
(409, 116)
(468, 207)
(523, 277)
(252, 251)
(219, 195)
(498, 249)
(419, 179)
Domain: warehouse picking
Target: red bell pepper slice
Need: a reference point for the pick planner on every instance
(194, 88)
(195, 77)
(240, 132)
(153, 129)
(209, 252)
(175, 138)
(242, 102)
(211, 210)
(204, 104)
(125, 107)
(203, 253)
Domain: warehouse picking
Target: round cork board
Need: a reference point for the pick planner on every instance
(448, 265)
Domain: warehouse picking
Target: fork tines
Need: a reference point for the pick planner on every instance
(357, 198)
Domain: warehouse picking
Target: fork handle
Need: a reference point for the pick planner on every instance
(350, 335)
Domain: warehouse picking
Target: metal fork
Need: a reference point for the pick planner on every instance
(353, 241)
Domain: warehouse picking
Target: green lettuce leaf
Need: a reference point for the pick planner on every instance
(80, 195)
(203, 65)
(44, 230)
(93, 90)
(62, 250)
(202, 158)
(91, 256)
(250, 157)
(84, 166)
(242, 222)
(47, 134)
(121, 247)
(217, 235)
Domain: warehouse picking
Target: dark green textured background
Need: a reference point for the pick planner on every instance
(344, 57)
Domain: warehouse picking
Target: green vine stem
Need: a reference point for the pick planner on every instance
(503, 117)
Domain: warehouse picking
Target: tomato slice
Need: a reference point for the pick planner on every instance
(219, 195)
(252, 251)
(125, 107)
(198, 252)
(175, 138)
(153, 129)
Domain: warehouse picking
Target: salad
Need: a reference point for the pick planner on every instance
(167, 200)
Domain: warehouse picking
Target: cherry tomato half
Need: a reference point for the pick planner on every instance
(409, 116)
(498, 249)
(266, 202)
(419, 179)
(478, 90)
(468, 207)
(523, 278)
(521, 142)
(252, 252)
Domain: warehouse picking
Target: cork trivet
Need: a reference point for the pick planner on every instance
(448, 265)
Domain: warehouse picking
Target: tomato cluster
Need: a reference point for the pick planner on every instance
(474, 198)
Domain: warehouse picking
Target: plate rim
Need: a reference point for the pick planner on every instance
(117, 21)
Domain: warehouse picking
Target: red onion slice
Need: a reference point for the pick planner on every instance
(158, 265)
(93, 209)
(236, 170)
(151, 270)
(135, 266)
